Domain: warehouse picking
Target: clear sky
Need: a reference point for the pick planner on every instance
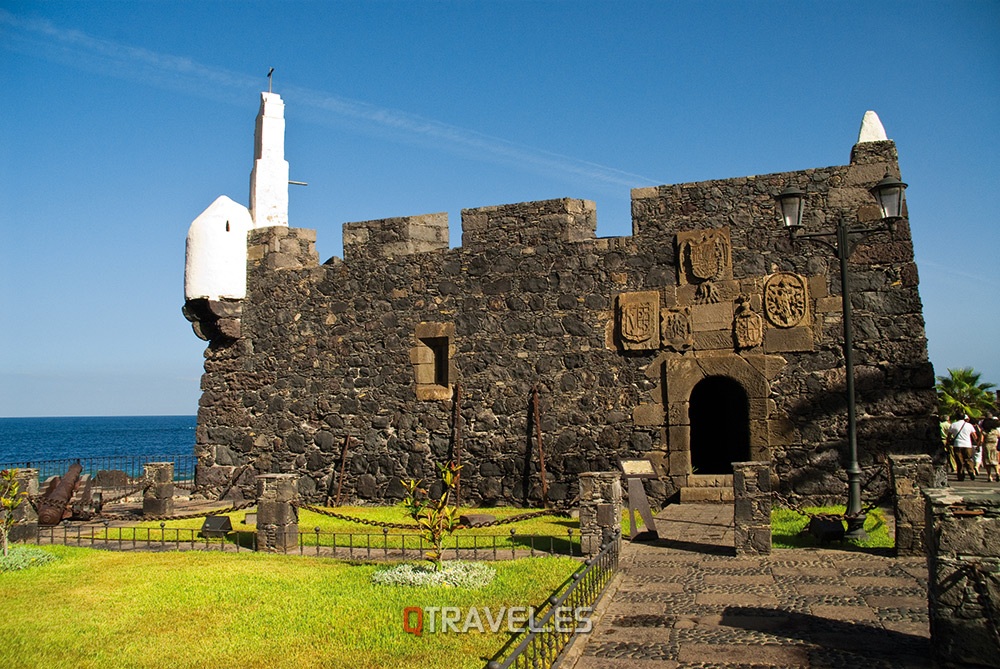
(122, 121)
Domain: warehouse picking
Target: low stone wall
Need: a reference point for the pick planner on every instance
(752, 511)
(600, 509)
(963, 544)
(907, 475)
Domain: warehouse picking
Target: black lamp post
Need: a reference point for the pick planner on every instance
(889, 193)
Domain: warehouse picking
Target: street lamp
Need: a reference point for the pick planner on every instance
(791, 202)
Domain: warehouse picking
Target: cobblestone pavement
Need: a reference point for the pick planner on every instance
(687, 601)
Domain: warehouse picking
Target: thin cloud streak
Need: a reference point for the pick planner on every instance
(40, 38)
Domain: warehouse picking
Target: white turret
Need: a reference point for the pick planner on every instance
(269, 177)
(871, 129)
(215, 265)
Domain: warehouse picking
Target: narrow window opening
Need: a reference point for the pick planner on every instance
(439, 348)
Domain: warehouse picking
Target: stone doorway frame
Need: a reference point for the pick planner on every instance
(682, 372)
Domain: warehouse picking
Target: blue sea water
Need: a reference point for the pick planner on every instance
(35, 439)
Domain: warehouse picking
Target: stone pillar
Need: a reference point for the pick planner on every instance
(907, 475)
(25, 516)
(963, 561)
(752, 511)
(158, 498)
(600, 509)
(277, 519)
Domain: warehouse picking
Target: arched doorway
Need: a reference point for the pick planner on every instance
(719, 411)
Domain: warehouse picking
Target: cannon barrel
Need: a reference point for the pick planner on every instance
(53, 504)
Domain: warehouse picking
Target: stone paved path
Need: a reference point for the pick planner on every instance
(687, 601)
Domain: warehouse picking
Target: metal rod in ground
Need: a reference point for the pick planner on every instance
(541, 452)
(457, 440)
(343, 468)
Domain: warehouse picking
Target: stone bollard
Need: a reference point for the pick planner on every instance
(963, 562)
(907, 475)
(25, 516)
(277, 519)
(752, 507)
(158, 498)
(600, 509)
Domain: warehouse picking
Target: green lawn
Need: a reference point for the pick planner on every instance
(787, 528)
(96, 608)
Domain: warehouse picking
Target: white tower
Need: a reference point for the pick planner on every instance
(269, 177)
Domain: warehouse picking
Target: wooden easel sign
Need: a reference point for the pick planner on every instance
(635, 471)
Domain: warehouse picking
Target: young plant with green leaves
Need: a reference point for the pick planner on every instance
(10, 499)
(436, 518)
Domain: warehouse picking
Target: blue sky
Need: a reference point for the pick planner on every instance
(123, 121)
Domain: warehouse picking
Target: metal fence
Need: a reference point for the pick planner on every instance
(384, 545)
(544, 639)
(132, 465)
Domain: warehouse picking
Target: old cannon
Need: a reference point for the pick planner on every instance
(65, 497)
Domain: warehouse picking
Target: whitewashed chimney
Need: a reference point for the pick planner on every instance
(269, 177)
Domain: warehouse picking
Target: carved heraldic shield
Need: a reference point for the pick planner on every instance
(748, 327)
(785, 299)
(676, 330)
(706, 256)
(637, 321)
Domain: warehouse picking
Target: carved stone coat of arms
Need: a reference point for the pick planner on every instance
(785, 299)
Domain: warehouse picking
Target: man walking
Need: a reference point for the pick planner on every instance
(962, 433)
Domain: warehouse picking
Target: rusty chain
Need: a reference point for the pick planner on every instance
(414, 526)
(180, 516)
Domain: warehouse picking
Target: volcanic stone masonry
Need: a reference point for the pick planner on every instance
(706, 337)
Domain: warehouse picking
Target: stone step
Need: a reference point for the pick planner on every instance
(710, 481)
(706, 495)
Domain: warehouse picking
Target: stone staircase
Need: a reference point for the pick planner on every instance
(708, 489)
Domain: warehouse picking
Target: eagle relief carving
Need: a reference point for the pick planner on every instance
(704, 256)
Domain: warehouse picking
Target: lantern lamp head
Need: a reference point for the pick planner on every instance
(791, 202)
(889, 193)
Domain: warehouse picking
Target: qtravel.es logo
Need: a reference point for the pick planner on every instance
(514, 619)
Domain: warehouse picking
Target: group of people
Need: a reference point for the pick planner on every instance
(972, 446)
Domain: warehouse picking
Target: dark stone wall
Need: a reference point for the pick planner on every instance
(532, 298)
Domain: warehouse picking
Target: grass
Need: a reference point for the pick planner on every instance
(98, 608)
(788, 528)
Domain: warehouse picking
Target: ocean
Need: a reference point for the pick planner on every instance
(38, 439)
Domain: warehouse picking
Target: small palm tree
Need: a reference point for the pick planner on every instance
(961, 391)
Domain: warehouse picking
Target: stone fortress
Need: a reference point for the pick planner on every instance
(706, 337)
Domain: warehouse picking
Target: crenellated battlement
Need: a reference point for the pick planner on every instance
(709, 336)
(394, 237)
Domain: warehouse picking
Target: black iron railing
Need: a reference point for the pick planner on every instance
(132, 465)
(384, 545)
(567, 614)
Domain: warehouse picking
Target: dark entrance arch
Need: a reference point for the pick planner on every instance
(719, 411)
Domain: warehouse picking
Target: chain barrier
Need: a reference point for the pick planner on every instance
(118, 498)
(180, 516)
(414, 526)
